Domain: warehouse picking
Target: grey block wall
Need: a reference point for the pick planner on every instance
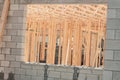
(12, 47)
(112, 55)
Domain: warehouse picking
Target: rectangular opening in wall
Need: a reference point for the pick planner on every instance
(66, 34)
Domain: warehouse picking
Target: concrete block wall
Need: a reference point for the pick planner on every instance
(112, 55)
(12, 47)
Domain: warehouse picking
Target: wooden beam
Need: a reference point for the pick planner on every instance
(77, 45)
(70, 31)
(51, 42)
(42, 55)
(65, 42)
(88, 44)
(3, 18)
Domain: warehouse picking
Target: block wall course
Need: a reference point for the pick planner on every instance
(117, 34)
(10, 57)
(107, 75)
(109, 54)
(110, 34)
(112, 65)
(2, 57)
(116, 55)
(116, 75)
(112, 61)
(15, 64)
(5, 63)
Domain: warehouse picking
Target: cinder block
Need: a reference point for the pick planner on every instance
(8, 70)
(1, 69)
(22, 6)
(2, 44)
(11, 32)
(82, 76)
(110, 34)
(54, 74)
(20, 45)
(6, 50)
(21, 32)
(18, 27)
(107, 75)
(2, 57)
(11, 45)
(10, 57)
(118, 13)
(112, 65)
(12, 20)
(66, 76)
(113, 3)
(108, 54)
(12, 1)
(17, 51)
(92, 77)
(19, 71)
(69, 69)
(116, 55)
(113, 23)
(111, 13)
(51, 68)
(10, 13)
(40, 72)
(14, 7)
(18, 13)
(25, 77)
(85, 71)
(18, 39)
(61, 69)
(19, 58)
(26, 66)
(6, 38)
(15, 64)
(51, 79)
(38, 67)
(31, 72)
(17, 77)
(21, 20)
(116, 75)
(97, 71)
(5, 63)
(117, 34)
(113, 44)
(37, 78)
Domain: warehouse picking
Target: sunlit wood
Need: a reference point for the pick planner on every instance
(65, 34)
(3, 18)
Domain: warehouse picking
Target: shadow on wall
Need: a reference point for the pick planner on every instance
(10, 77)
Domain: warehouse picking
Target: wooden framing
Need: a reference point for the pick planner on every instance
(3, 18)
(73, 26)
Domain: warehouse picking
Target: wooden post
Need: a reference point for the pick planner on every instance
(77, 45)
(70, 31)
(65, 42)
(42, 55)
(3, 18)
(60, 44)
(88, 44)
(51, 42)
